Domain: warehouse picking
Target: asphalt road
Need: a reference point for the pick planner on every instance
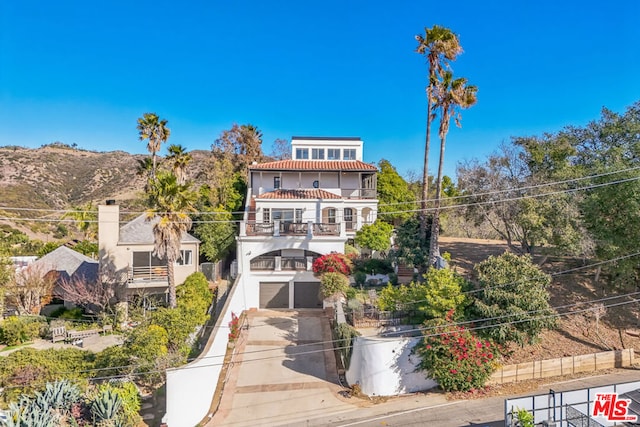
(488, 412)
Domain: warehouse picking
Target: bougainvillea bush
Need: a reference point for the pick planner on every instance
(333, 263)
(455, 358)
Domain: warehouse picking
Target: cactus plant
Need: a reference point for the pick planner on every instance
(106, 405)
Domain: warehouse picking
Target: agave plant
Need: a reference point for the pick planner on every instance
(29, 413)
(60, 395)
(106, 405)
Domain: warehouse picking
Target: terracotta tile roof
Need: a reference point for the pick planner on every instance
(298, 194)
(315, 165)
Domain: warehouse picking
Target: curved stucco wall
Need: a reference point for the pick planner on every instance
(386, 367)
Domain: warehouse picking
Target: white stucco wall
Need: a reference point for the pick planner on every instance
(190, 388)
(386, 367)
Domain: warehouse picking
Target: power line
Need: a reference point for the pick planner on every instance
(546, 316)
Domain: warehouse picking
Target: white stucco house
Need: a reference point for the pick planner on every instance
(126, 254)
(298, 210)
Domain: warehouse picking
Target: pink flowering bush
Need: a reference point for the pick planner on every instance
(234, 327)
(456, 358)
(333, 263)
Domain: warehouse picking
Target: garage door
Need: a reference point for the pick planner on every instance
(274, 295)
(306, 295)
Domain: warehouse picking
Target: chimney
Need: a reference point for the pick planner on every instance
(108, 228)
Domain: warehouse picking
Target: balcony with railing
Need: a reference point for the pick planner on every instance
(283, 228)
(280, 263)
(148, 274)
(358, 193)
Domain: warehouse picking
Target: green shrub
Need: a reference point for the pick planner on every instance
(344, 338)
(393, 278)
(350, 293)
(16, 330)
(27, 370)
(333, 283)
(360, 277)
(374, 266)
(71, 314)
(351, 251)
(524, 418)
(112, 361)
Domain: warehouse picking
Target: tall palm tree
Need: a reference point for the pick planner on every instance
(156, 131)
(86, 218)
(451, 95)
(179, 159)
(440, 46)
(171, 203)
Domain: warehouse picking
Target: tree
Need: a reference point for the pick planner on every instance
(170, 204)
(396, 199)
(92, 295)
(409, 246)
(29, 289)
(608, 149)
(151, 128)
(512, 304)
(179, 159)
(281, 149)
(376, 236)
(242, 144)
(510, 193)
(86, 219)
(450, 96)
(217, 233)
(440, 46)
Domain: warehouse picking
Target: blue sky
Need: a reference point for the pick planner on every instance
(83, 72)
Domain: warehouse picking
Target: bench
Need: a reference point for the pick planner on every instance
(60, 333)
(75, 335)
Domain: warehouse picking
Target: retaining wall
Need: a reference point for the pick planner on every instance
(563, 366)
(190, 388)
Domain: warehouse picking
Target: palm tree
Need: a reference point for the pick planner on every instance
(440, 46)
(156, 131)
(451, 95)
(179, 159)
(86, 218)
(171, 203)
(144, 169)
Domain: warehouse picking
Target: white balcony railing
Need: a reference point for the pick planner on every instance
(281, 228)
(147, 274)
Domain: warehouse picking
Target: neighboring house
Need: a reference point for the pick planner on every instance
(127, 254)
(68, 266)
(298, 210)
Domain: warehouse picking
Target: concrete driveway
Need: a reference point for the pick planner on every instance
(284, 372)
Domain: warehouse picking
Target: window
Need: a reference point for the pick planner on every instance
(186, 257)
(298, 216)
(349, 154)
(276, 182)
(266, 215)
(302, 153)
(331, 216)
(348, 218)
(333, 154)
(317, 153)
(316, 184)
(146, 259)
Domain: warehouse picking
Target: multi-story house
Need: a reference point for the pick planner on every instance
(298, 210)
(126, 254)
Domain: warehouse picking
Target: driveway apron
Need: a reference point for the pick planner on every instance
(284, 371)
